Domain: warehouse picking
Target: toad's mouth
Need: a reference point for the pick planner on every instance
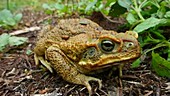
(108, 62)
(105, 65)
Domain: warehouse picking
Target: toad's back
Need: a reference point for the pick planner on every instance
(65, 29)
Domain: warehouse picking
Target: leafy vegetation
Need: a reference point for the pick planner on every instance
(160, 65)
(149, 18)
(66, 8)
(14, 5)
(8, 40)
(7, 19)
(82, 7)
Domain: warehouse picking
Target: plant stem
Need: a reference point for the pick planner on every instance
(139, 14)
(137, 9)
(7, 4)
(140, 6)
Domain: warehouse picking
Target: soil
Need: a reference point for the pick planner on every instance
(19, 76)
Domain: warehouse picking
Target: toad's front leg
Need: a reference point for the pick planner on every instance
(65, 69)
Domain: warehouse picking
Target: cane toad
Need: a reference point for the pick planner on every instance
(76, 47)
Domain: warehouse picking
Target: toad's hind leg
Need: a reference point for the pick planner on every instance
(68, 72)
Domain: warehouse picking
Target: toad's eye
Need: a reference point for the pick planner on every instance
(107, 45)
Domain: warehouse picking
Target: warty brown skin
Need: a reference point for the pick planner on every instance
(76, 47)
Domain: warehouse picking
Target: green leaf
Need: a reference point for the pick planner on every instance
(3, 40)
(15, 41)
(99, 7)
(130, 18)
(18, 17)
(157, 34)
(110, 3)
(148, 23)
(168, 59)
(91, 5)
(161, 44)
(9, 21)
(125, 3)
(149, 40)
(155, 2)
(117, 10)
(136, 63)
(161, 12)
(46, 6)
(144, 3)
(29, 52)
(164, 22)
(5, 14)
(6, 39)
(6, 18)
(167, 14)
(160, 65)
(59, 6)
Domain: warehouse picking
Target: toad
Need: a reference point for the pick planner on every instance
(78, 47)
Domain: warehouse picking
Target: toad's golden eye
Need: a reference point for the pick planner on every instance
(107, 45)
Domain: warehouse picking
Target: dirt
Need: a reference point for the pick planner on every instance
(19, 76)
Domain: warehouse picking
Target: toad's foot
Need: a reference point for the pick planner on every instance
(84, 80)
(43, 62)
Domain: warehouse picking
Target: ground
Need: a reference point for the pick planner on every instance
(20, 76)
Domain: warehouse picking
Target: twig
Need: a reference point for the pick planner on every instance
(158, 91)
(168, 87)
(119, 92)
(26, 30)
(149, 93)
(65, 94)
(136, 83)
